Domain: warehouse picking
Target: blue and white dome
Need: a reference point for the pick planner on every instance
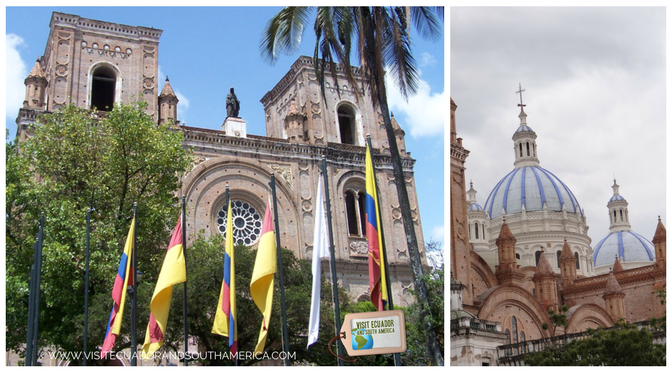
(523, 128)
(475, 207)
(628, 245)
(616, 197)
(532, 187)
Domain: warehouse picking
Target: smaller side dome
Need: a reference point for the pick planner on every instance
(475, 207)
(523, 128)
(627, 245)
(616, 197)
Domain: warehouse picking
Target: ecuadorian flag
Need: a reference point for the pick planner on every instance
(225, 316)
(123, 280)
(376, 264)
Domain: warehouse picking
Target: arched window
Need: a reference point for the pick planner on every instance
(514, 329)
(470, 236)
(520, 147)
(537, 255)
(621, 211)
(576, 255)
(346, 124)
(103, 88)
(528, 148)
(355, 206)
(476, 228)
(508, 336)
(517, 256)
(483, 229)
(614, 216)
(522, 339)
(558, 254)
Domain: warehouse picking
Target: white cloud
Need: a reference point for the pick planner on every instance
(425, 112)
(182, 105)
(16, 71)
(427, 59)
(438, 233)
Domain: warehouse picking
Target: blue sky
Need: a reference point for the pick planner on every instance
(206, 50)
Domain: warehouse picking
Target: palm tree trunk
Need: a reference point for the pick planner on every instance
(405, 206)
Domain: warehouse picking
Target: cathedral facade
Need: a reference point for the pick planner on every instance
(526, 251)
(98, 64)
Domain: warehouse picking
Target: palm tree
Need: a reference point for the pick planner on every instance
(381, 36)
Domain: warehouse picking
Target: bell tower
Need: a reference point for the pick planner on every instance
(93, 64)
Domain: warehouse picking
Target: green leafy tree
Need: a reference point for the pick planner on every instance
(623, 345)
(558, 319)
(416, 353)
(380, 36)
(80, 159)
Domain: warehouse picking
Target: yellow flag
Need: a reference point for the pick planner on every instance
(172, 272)
(263, 277)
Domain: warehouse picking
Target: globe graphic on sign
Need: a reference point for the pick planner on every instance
(360, 340)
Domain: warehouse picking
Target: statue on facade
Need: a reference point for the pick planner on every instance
(232, 105)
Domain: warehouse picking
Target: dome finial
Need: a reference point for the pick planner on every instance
(615, 187)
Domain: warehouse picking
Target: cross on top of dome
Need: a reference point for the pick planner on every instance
(522, 115)
(520, 91)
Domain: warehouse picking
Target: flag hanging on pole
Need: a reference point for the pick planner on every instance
(263, 276)
(173, 271)
(121, 283)
(225, 317)
(376, 265)
(320, 249)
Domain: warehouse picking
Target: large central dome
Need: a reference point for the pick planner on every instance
(541, 212)
(530, 186)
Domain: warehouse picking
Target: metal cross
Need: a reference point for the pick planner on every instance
(520, 91)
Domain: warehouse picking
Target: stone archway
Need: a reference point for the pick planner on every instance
(482, 276)
(582, 317)
(512, 300)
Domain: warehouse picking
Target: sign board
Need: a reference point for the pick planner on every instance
(378, 332)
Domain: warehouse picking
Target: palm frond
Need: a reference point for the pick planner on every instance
(283, 32)
(426, 22)
(333, 28)
(397, 52)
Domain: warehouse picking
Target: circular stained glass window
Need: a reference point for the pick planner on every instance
(246, 222)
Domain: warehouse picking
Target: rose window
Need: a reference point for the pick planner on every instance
(246, 222)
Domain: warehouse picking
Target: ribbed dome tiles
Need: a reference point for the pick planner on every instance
(626, 244)
(530, 186)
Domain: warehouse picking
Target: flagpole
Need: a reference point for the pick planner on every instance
(86, 281)
(38, 275)
(285, 337)
(332, 260)
(134, 295)
(31, 308)
(184, 305)
(383, 250)
(34, 298)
